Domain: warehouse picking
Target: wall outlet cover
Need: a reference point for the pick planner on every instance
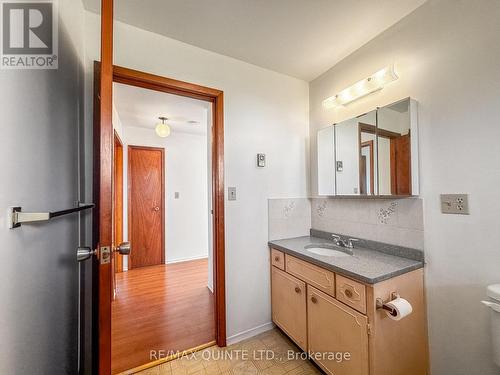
(457, 204)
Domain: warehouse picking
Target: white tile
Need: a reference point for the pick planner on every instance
(385, 212)
(388, 234)
(410, 214)
(411, 238)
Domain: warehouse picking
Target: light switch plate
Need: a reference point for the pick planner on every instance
(261, 160)
(457, 204)
(231, 193)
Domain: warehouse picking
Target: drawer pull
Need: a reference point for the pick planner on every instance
(297, 289)
(314, 299)
(348, 293)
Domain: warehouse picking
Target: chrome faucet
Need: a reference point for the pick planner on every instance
(344, 242)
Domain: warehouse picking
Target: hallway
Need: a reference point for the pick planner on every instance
(160, 308)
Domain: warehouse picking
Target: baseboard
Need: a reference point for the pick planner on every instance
(186, 259)
(249, 333)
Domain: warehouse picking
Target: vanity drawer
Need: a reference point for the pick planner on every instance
(316, 276)
(351, 293)
(278, 259)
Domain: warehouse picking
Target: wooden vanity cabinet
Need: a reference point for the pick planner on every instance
(324, 312)
(338, 331)
(288, 296)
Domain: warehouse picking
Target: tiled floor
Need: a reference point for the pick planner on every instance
(246, 357)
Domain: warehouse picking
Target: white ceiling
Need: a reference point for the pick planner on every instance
(301, 38)
(140, 107)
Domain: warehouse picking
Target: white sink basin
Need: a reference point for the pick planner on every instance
(327, 252)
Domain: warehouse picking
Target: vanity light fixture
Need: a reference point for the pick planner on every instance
(375, 82)
(162, 129)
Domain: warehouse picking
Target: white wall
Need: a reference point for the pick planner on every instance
(186, 229)
(446, 54)
(264, 112)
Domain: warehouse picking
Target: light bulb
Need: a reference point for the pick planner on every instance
(163, 130)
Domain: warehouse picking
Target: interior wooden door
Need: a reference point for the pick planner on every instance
(102, 228)
(401, 165)
(146, 205)
(288, 296)
(335, 327)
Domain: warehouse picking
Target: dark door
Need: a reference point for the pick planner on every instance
(145, 189)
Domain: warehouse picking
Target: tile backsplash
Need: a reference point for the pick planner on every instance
(397, 222)
(290, 217)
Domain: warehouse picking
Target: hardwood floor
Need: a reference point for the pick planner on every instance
(164, 307)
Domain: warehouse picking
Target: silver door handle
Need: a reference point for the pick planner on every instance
(156, 208)
(124, 248)
(84, 253)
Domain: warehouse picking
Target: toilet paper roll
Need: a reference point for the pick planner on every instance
(401, 307)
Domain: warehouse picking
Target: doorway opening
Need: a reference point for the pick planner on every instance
(168, 202)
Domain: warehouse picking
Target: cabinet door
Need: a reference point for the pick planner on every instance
(288, 295)
(335, 330)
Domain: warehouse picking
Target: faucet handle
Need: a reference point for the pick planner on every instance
(336, 239)
(350, 242)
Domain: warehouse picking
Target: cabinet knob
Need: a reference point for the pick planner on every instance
(297, 289)
(314, 299)
(277, 258)
(348, 293)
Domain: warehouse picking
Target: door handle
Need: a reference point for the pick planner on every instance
(84, 253)
(156, 208)
(124, 248)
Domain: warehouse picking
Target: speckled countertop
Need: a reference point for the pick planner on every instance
(369, 266)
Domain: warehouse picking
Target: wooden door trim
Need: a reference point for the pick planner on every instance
(118, 258)
(372, 160)
(216, 97)
(129, 196)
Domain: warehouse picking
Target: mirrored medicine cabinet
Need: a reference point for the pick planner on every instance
(375, 154)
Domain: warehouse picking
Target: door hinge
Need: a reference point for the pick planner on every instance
(369, 329)
(105, 254)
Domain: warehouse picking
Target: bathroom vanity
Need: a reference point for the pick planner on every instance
(331, 306)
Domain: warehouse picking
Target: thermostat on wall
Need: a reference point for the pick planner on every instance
(261, 160)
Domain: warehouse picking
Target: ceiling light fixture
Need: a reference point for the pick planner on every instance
(162, 129)
(375, 82)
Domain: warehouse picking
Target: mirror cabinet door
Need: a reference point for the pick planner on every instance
(367, 145)
(355, 155)
(371, 155)
(395, 151)
(326, 161)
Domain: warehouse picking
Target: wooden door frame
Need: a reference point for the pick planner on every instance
(118, 167)
(103, 154)
(129, 197)
(216, 97)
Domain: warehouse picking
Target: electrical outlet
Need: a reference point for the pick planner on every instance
(457, 204)
(231, 193)
(176, 195)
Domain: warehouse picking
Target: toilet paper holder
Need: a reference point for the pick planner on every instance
(381, 305)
